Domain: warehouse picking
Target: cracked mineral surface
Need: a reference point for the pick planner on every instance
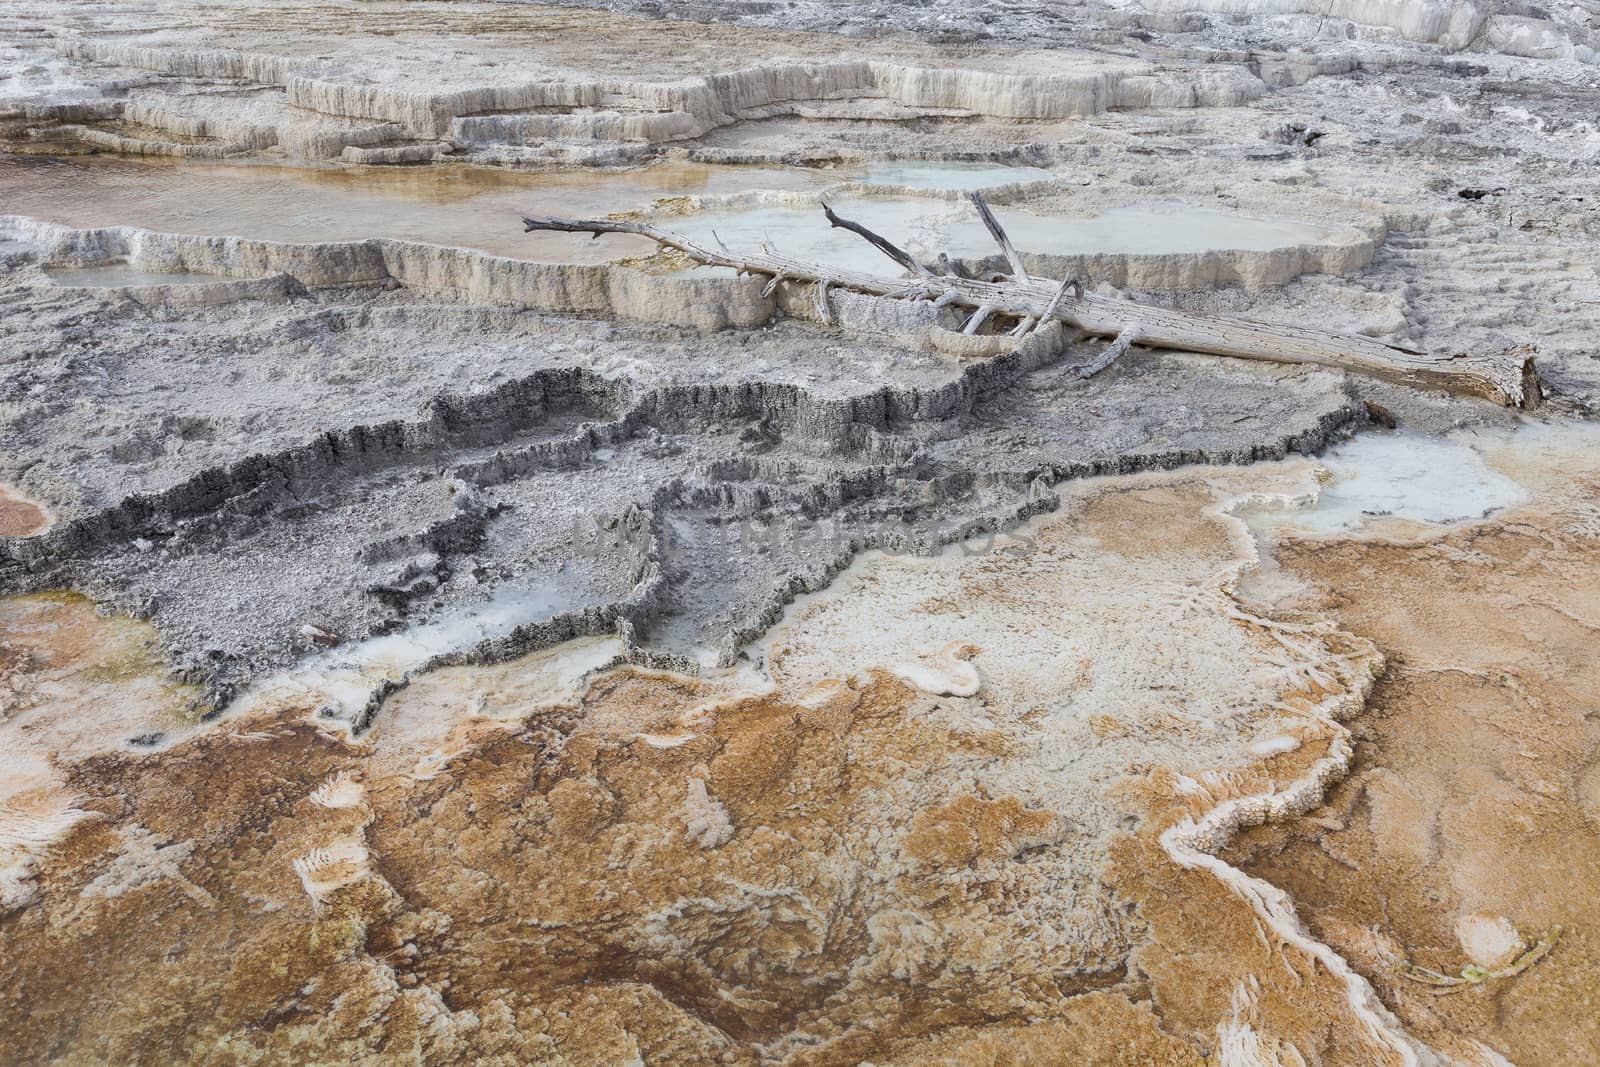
(423, 641)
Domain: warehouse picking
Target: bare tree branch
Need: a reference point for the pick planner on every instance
(992, 224)
(1113, 352)
(1506, 378)
(882, 244)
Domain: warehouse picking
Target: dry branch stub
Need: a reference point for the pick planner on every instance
(992, 224)
(1507, 378)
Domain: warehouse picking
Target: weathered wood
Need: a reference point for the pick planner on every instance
(1113, 352)
(979, 317)
(1055, 301)
(992, 224)
(878, 241)
(1507, 378)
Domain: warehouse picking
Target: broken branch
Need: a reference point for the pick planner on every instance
(1507, 378)
(1113, 352)
(992, 224)
(1055, 301)
(882, 244)
(977, 320)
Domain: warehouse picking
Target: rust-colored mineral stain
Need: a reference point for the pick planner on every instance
(846, 871)
(19, 516)
(1467, 799)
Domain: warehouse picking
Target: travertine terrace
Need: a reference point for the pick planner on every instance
(426, 641)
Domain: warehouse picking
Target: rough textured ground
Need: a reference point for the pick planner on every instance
(425, 643)
(1476, 796)
(670, 866)
(858, 864)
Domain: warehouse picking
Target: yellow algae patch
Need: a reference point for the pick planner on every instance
(831, 865)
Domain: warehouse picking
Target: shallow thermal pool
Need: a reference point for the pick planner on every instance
(927, 227)
(481, 208)
(118, 275)
(1408, 476)
(459, 206)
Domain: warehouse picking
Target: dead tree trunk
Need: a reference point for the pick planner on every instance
(1507, 379)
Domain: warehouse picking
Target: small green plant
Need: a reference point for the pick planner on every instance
(1473, 974)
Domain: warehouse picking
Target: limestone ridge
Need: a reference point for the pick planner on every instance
(316, 113)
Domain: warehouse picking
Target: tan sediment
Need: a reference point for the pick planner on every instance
(19, 516)
(1472, 794)
(841, 869)
(65, 663)
(829, 872)
(72, 684)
